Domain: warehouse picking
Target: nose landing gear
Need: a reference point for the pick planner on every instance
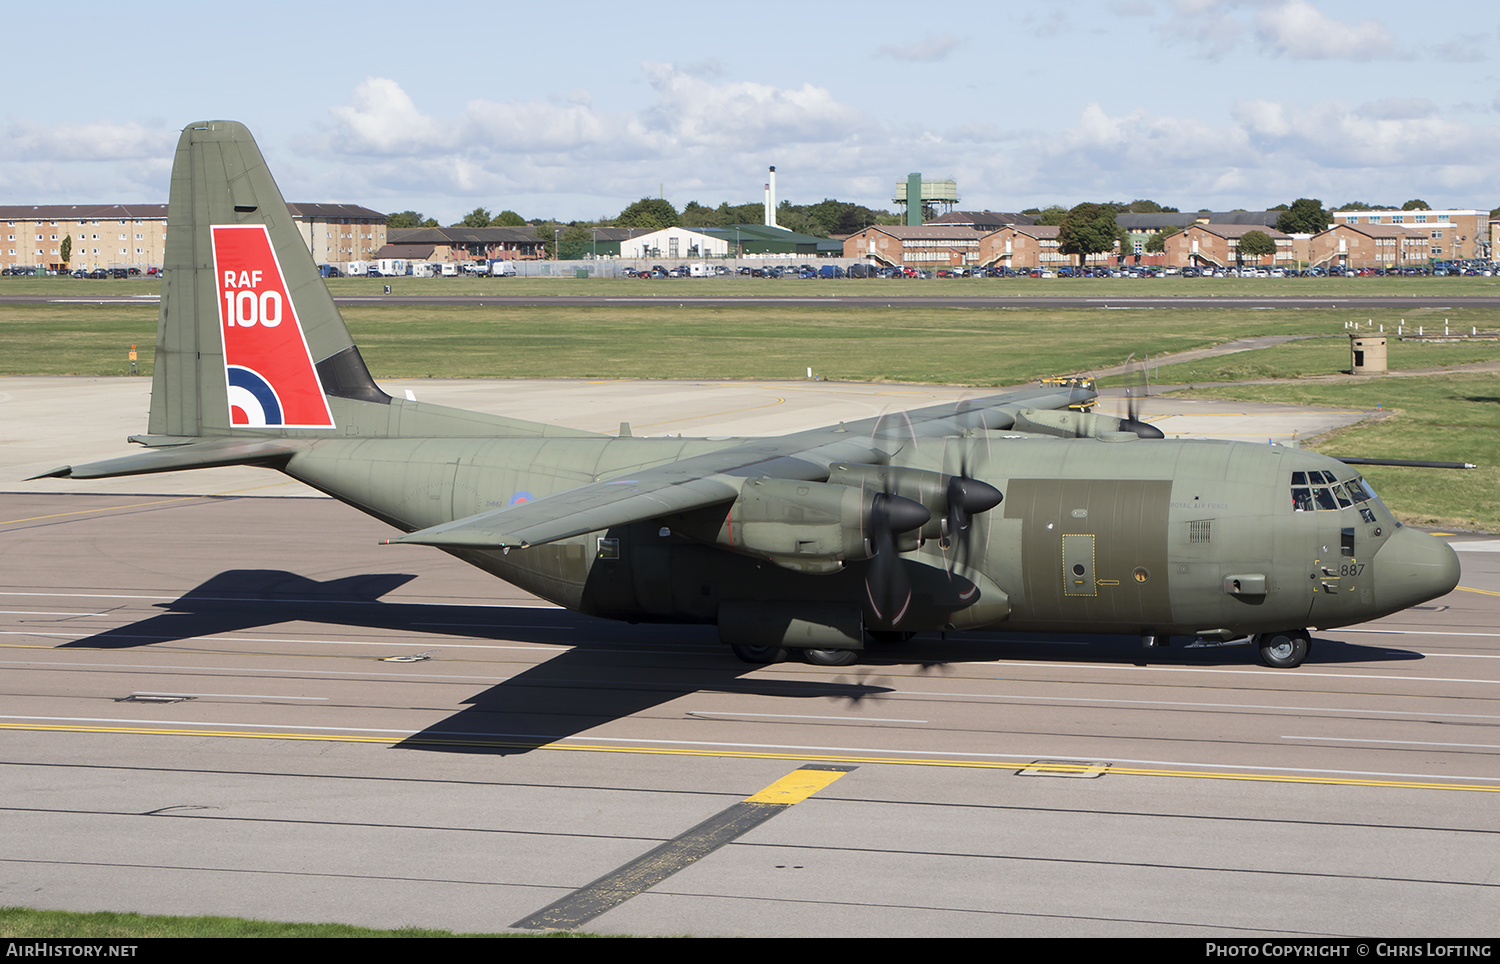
(1285, 649)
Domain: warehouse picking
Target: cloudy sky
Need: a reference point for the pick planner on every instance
(574, 110)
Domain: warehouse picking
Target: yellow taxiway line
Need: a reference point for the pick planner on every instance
(1031, 765)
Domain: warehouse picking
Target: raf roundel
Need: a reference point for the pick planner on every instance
(252, 400)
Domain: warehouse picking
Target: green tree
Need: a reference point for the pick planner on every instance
(1416, 204)
(1052, 214)
(550, 234)
(1147, 206)
(477, 218)
(652, 213)
(576, 243)
(1254, 245)
(696, 215)
(507, 219)
(1305, 216)
(67, 249)
(1158, 241)
(1087, 229)
(404, 219)
(795, 218)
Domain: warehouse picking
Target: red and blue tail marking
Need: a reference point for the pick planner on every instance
(268, 370)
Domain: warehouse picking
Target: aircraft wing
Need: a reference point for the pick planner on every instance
(660, 490)
(717, 477)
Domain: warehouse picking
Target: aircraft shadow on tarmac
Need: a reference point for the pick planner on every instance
(610, 670)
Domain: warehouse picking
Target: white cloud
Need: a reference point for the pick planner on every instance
(1264, 152)
(1208, 25)
(696, 135)
(382, 119)
(710, 140)
(30, 141)
(929, 49)
(1297, 29)
(743, 115)
(1292, 29)
(1397, 108)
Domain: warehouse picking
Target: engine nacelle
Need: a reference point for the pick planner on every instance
(811, 527)
(1066, 423)
(934, 490)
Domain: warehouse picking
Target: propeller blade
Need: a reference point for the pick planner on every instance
(967, 497)
(886, 582)
(1134, 396)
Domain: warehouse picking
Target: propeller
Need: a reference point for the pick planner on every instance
(1134, 395)
(886, 582)
(966, 497)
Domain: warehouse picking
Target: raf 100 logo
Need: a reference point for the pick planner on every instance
(244, 306)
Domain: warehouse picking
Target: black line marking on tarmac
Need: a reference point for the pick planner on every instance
(650, 869)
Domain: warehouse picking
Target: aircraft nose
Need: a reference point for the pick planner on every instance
(1413, 567)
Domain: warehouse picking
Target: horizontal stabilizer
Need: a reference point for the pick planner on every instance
(198, 455)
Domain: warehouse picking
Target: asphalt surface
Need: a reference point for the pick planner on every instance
(202, 717)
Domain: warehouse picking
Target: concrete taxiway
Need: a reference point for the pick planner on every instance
(236, 704)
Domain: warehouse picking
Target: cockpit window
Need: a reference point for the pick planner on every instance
(1317, 490)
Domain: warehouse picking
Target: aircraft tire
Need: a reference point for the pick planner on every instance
(759, 655)
(830, 657)
(1284, 650)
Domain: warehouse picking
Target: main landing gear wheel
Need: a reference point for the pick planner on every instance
(830, 657)
(759, 655)
(1284, 650)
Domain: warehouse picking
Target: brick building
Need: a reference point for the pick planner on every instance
(104, 235)
(1031, 246)
(339, 232)
(135, 235)
(1217, 246)
(1450, 234)
(923, 246)
(1371, 246)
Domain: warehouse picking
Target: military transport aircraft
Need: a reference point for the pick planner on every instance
(1015, 512)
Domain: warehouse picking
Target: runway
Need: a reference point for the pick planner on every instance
(203, 716)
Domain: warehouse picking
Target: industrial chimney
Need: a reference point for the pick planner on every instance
(771, 198)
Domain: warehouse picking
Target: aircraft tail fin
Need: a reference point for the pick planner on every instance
(249, 343)
(248, 339)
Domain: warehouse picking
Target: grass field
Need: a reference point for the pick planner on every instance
(1314, 357)
(965, 346)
